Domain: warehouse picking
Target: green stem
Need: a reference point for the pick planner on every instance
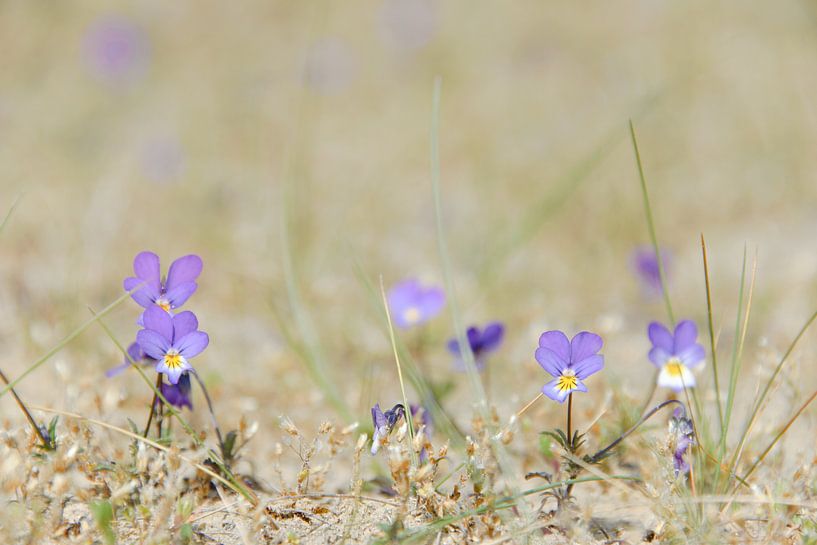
(651, 227)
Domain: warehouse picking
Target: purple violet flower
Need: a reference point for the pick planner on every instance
(116, 50)
(482, 342)
(135, 355)
(178, 394)
(384, 423)
(645, 266)
(676, 354)
(682, 434)
(169, 294)
(570, 362)
(172, 341)
(411, 303)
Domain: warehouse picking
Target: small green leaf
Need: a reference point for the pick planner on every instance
(103, 514)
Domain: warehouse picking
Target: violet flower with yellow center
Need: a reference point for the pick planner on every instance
(411, 303)
(676, 354)
(155, 291)
(570, 362)
(171, 341)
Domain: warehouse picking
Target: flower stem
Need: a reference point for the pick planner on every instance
(47, 443)
(210, 408)
(153, 405)
(570, 421)
(600, 454)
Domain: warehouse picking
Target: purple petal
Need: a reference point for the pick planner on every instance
(660, 337)
(550, 362)
(693, 356)
(584, 345)
(453, 346)
(554, 393)
(378, 418)
(159, 321)
(178, 395)
(588, 366)
(556, 342)
(431, 303)
(182, 271)
(146, 267)
(192, 344)
(135, 353)
(180, 294)
(116, 370)
(154, 344)
(144, 296)
(184, 323)
(580, 387)
(492, 336)
(403, 294)
(686, 333)
(659, 356)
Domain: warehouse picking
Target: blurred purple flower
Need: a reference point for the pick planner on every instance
(676, 354)
(116, 50)
(172, 341)
(384, 423)
(570, 362)
(408, 24)
(167, 295)
(178, 394)
(645, 266)
(135, 355)
(482, 342)
(682, 435)
(411, 303)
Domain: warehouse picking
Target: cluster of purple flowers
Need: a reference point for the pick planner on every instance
(168, 339)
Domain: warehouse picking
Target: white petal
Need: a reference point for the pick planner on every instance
(675, 381)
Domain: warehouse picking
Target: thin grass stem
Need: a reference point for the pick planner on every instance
(406, 406)
(711, 327)
(48, 443)
(67, 339)
(767, 387)
(662, 276)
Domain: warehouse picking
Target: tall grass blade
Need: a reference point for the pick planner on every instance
(712, 344)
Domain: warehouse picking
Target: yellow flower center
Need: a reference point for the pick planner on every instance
(675, 368)
(173, 359)
(411, 315)
(163, 303)
(567, 382)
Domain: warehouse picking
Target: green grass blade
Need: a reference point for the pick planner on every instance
(662, 275)
(711, 328)
(767, 387)
(67, 339)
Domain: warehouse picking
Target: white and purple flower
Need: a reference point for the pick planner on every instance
(682, 436)
(384, 423)
(570, 362)
(676, 354)
(167, 294)
(482, 342)
(411, 303)
(171, 341)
